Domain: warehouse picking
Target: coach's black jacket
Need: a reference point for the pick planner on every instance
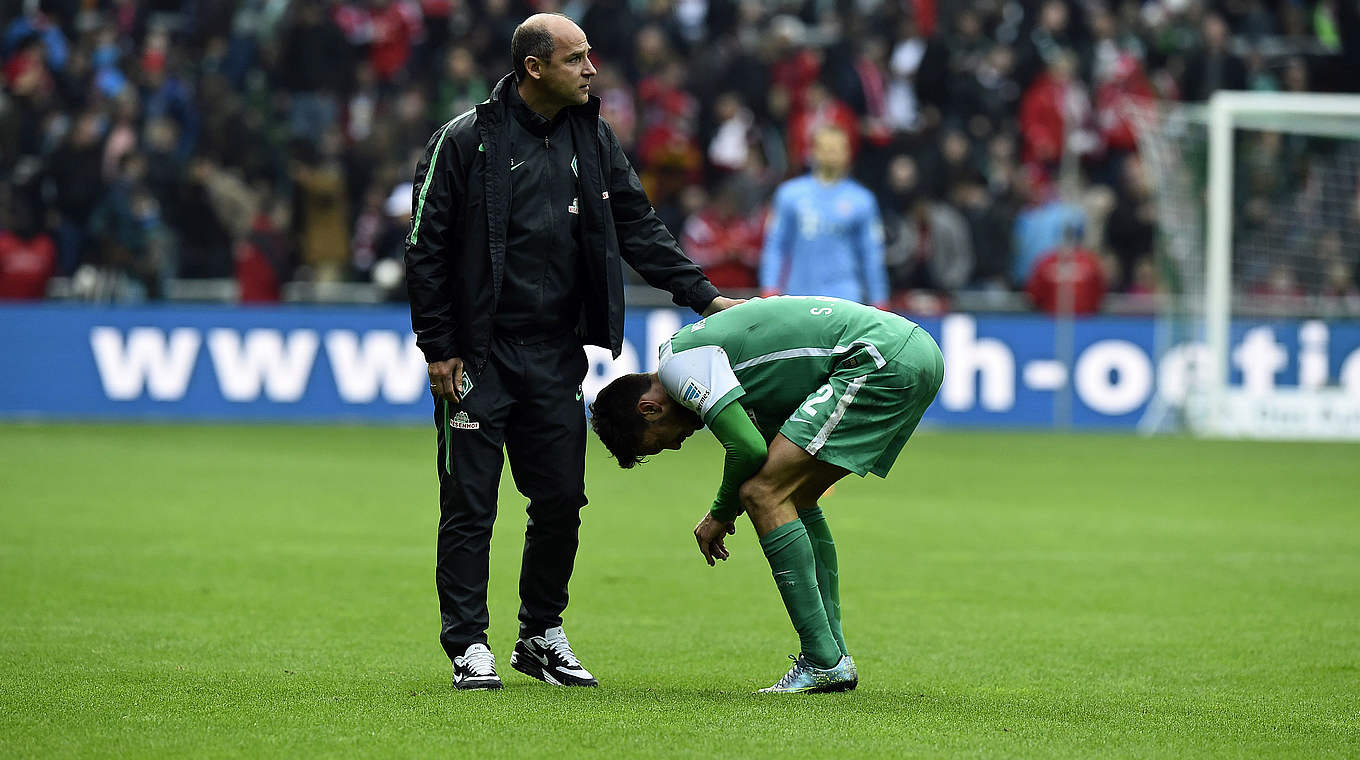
(455, 250)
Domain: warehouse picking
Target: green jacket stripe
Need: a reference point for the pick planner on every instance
(425, 186)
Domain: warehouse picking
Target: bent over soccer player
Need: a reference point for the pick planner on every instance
(800, 391)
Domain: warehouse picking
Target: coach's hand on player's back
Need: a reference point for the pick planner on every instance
(720, 303)
(445, 378)
(709, 533)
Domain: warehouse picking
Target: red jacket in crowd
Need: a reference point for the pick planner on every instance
(1081, 270)
(1126, 86)
(726, 246)
(26, 264)
(1042, 119)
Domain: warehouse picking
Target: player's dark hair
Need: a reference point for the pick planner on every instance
(531, 39)
(615, 418)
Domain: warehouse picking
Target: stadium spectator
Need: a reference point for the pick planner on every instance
(986, 96)
(1052, 37)
(28, 256)
(461, 87)
(126, 231)
(265, 257)
(75, 178)
(1131, 229)
(1213, 67)
(390, 30)
(313, 67)
(730, 148)
(1068, 277)
(1042, 225)
(1054, 113)
(825, 235)
(325, 218)
(1122, 86)
(950, 161)
(725, 241)
(930, 249)
(205, 242)
(990, 220)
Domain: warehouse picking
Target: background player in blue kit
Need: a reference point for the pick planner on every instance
(825, 236)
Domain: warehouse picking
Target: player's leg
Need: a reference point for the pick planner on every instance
(768, 499)
(824, 554)
(470, 437)
(546, 440)
(912, 380)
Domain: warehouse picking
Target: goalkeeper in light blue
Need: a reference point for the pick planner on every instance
(800, 391)
(825, 235)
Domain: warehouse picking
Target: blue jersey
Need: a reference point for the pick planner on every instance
(824, 240)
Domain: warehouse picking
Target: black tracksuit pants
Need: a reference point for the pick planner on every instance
(525, 401)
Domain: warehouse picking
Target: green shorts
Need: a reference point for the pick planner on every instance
(861, 420)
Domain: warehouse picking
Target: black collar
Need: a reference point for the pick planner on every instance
(527, 117)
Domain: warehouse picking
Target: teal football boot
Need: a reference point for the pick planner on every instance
(803, 678)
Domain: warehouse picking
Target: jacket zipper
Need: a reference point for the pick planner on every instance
(552, 215)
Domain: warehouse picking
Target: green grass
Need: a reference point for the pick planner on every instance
(268, 592)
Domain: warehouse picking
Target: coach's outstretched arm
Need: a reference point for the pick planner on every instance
(646, 244)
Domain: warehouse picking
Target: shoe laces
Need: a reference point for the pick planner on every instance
(480, 660)
(557, 642)
(793, 673)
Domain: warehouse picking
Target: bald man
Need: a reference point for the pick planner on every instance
(524, 208)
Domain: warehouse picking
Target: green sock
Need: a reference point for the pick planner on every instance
(795, 573)
(828, 581)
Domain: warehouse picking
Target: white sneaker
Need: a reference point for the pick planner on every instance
(476, 669)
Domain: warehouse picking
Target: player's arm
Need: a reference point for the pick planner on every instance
(701, 379)
(745, 453)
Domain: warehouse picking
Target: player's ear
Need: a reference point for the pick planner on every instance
(649, 409)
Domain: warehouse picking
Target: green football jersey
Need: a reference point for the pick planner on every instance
(773, 353)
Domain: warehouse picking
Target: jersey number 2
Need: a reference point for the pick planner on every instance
(822, 394)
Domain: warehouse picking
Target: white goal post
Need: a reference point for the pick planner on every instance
(1257, 198)
(1220, 409)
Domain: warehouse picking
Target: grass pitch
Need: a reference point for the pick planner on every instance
(268, 592)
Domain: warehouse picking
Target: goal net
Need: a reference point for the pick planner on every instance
(1258, 204)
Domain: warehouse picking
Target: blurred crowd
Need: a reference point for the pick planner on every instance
(272, 141)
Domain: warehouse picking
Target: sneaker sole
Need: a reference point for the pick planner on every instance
(834, 688)
(476, 686)
(530, 667)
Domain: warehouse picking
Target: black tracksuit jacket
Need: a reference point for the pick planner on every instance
(455, 249)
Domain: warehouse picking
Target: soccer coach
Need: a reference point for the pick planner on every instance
(523, 208)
